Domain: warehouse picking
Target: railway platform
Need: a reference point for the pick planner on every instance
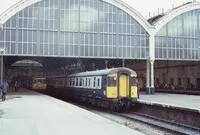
(179, 109)
(31, 113)
(179, 91)
(179, 101)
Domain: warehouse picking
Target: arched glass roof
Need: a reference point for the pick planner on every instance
(11, 7)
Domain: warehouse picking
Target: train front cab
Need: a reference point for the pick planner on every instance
(39, 84)
(122, 87)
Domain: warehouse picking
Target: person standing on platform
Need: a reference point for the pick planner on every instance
(4, 88)
(13, 86)
(16, 86)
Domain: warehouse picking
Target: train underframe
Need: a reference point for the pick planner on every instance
(114, 104)
(117, 104)
(121, 104)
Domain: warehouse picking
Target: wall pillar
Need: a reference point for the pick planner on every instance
(152, 77)
(123, 63)
(150, 89)
(106, 63)
(147, 77)
(93, 66)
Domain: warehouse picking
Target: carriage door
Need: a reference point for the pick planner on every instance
(124, 85)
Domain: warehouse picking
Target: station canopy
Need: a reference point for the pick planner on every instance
(27, 63)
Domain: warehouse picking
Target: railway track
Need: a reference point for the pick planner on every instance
(147, 119)
(161, 123)
(150, 120)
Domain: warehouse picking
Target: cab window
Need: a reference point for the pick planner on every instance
(111, 81)
(39, 82)
(133, 81)
(34, 81)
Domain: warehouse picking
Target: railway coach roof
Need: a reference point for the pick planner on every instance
(102, 72)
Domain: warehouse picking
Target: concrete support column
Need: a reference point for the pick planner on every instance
(147, 77)
(152, 75)
(150, 65)
(93, 66)
(2, 68)
(123, 63)
(106, 63)
(2, 65)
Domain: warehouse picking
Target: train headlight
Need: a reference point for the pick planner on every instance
(104, 92)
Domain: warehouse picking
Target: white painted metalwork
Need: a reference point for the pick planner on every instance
(2, 51)
(127, 6)
(174, 13)
(12, 7)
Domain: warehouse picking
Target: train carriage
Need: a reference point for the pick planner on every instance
(39, 83)
(35, 83)
(115, 88)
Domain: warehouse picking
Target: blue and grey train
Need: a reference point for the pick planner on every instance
(114, 88)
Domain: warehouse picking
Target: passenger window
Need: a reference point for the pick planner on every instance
(70, 82)
(111, 81)
(85, 82)
(98, 82)
(73, 82)
(77, 82)
(94, 85)
(80, 82)
(89, 82)
(133, 81)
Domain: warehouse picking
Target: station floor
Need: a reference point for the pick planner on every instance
(30, 113)
(182, 101)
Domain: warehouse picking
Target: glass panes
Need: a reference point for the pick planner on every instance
(58, 28)
(180, 35)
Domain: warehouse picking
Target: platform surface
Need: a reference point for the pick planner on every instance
(189, 102)
(31, 113)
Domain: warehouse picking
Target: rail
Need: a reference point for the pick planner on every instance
(161, 123)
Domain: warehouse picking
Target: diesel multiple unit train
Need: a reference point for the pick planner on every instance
(114, 88)
(34, 83)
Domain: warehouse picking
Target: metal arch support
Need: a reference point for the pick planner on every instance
(93, 66)
(123, 62)
(152, 73)
(22, 4)
(128, 8)
(150, 89)
(150, 67)
(174, 13)
(147, 76)
(2, 50)
(106, 63)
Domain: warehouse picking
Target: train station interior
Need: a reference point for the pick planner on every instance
(103, 53)
(36, 33)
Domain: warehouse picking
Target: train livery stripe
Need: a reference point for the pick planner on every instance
(39, 86)
(112, 75)
(133, 75)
